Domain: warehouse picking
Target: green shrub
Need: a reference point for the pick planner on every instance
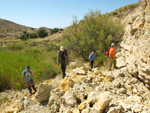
(115, 13)
(55, 30)
(33, 35)
(27, 35)
(24, 36)
(32, 28)
(42, 33)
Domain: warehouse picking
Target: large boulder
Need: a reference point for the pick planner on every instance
(43, 92)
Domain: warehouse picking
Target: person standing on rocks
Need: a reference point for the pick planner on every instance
(112, 57)
(27, 76)
(92, 57)
(63, 59)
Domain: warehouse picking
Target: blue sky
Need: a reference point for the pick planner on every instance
(54, 13)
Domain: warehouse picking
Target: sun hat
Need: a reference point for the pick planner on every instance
(62, 48)
(112, 44)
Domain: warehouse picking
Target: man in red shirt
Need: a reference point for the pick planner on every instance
(112, 58)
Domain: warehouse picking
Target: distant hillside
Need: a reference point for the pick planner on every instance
(10, 29)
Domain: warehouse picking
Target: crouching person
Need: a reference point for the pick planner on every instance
(27, 76)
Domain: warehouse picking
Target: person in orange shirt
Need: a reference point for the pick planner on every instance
(112, 58)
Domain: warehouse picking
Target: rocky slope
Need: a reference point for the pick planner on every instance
(83, 91)
(135, 47)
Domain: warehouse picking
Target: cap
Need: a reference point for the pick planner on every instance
(27, 67)
(112, 44)
(62, 48)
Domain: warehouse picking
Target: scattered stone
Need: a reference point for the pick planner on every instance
(80, 71)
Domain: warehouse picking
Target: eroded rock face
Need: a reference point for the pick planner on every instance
(135, 47)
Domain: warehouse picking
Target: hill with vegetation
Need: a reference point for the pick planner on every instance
(11, 30)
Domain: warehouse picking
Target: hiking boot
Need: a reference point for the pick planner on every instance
(30, 94)
(34, 92)
(116, 67)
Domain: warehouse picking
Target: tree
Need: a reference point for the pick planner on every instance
(95, 31)
(42, 32)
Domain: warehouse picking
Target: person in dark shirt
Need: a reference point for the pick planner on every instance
(63, 59)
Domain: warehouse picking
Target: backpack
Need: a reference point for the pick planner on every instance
(107, 52)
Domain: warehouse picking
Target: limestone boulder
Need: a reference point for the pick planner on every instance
(66, 84)
(43, 92)
(69, 99)
(103, 101)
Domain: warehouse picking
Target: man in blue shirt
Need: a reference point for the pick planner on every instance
(27, 76)
(92, 57)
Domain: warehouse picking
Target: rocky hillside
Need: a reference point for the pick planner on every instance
(135, 47)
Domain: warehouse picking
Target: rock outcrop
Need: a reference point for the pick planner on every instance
(135, 47)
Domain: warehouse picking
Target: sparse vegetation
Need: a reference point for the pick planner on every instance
(125, 9)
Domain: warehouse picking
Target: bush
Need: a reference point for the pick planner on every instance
(27, 35)
(33, 35)
(24, 36)
(42, 33)
(95, 31)
(55, 30)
